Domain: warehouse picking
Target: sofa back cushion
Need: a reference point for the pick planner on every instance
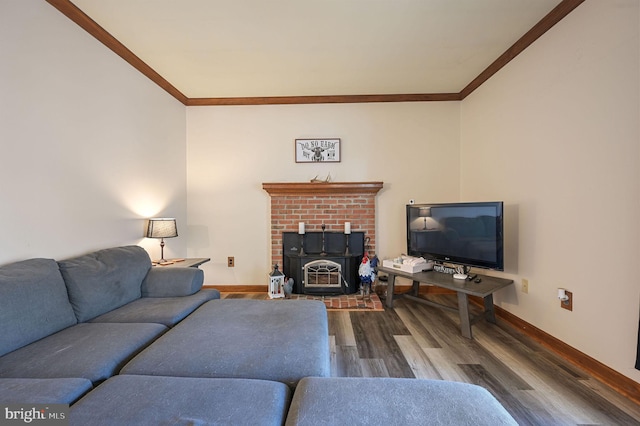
(33, 303)
(104, 280)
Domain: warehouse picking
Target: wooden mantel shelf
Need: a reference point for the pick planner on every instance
(322, 188)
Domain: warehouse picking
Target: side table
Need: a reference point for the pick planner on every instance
(191, 262)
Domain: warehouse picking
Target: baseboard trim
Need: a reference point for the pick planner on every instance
(619, 382)
(232, 288)
(610, 377)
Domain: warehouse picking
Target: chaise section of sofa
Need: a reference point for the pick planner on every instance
(283, 340)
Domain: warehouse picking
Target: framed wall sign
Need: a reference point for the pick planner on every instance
(317, 150)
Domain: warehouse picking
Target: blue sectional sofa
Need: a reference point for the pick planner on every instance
(86, 317)
(125, 343)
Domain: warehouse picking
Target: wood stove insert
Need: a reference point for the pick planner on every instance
(323, 266)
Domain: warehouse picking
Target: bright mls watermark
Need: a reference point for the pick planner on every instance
(35, 414)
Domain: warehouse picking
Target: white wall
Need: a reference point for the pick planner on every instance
(556, 135)
(89, 146)
(412, 147)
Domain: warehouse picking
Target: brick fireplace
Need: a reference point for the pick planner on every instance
(331, 204)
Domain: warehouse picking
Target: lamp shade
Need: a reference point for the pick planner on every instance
(164, 227)
(425, 212)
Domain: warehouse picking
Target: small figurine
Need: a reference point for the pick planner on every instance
(367, 274)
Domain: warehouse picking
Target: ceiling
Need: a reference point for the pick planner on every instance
(298, 48)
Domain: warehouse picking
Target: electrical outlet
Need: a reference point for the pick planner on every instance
(231, 262)
(567, 304)
(525, 285)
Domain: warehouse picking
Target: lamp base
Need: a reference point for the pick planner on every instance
(162, 259)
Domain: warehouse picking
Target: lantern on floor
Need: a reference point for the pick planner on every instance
(276, 283)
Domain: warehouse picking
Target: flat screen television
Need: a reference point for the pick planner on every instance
(469, 234)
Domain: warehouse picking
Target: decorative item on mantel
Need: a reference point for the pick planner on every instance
(276, 283)
(301, 233)
(347, 232)
(326, 180)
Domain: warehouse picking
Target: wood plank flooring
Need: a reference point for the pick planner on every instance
(418, 341)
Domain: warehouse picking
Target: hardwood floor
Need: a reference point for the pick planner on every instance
(414, 340)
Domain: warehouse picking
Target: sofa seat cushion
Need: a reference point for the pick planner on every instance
(33, 303)
(385, 401)
(154, 400)
(42, 391)
(104, 280)
(162, 310)
(281, 340)
(90, 351)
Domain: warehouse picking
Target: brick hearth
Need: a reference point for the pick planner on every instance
(345, 302)
(332, 203)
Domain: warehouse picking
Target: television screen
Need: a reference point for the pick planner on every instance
(469, 234)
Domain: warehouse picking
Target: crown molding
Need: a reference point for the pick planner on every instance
(545, 24)
(72, 12)
(329, 99)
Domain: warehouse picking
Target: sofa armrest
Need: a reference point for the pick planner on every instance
(172, 282)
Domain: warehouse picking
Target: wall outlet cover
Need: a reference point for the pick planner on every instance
(567, 304)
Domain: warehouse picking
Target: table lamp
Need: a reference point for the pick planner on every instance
(425, 212)
(164, 227)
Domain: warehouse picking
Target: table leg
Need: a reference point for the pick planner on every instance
(489, 311)
(415, 288)
(463, 309)
(390, 284)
